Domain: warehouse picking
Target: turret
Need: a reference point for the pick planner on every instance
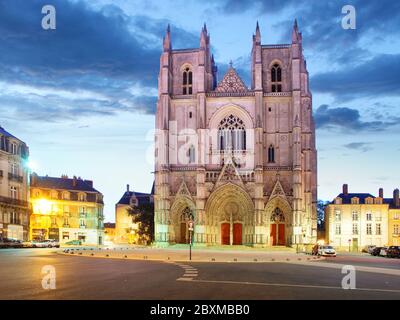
(167, 40)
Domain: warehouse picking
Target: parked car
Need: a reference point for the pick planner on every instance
(383, 252)
(368, 249)
(45, 244)
(74, 243)
(393, 252)
(376, 251)
(326, 251)
(10, 243)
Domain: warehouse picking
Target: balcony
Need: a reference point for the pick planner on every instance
(15, 202)
(15, 177)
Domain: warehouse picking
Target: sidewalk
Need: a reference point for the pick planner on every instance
(198, 254)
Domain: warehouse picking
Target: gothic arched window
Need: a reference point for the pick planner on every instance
(231, 134)
(192, 154)
(276, 78)
(277, 216)
(271, 154)
(187, 83)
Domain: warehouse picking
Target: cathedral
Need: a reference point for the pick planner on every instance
(235, 164)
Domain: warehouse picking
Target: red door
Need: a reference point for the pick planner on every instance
(183, 232)
(237, 233)
(225, 231)
(272, 234)
(281, 234)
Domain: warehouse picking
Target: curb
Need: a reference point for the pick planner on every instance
(105, 255)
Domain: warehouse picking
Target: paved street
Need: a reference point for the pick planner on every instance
(79, 277)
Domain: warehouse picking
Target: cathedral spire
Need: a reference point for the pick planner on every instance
(203, 37)
(258, 33)
(295, 32)
(167, 39)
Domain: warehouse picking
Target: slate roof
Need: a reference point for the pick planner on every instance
(7, 134)
(62, 184)
(143, 198)
(346, 198)
(390, 202)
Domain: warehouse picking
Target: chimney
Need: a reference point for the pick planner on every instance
(74, 181)
(381, 193)
(127, 188)
(33, 178)
(345, 189)
(396, 199)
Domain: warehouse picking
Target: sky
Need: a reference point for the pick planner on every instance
(83, 96)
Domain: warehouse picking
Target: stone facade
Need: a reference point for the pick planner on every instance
(125, 228)
(66, 209)
(241, 162)
(14, 187)
(355, 220)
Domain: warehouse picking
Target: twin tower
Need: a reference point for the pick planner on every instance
(238, 162)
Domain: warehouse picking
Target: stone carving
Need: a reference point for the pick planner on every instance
(231, 83)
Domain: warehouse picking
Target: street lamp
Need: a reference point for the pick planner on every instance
(191, 229)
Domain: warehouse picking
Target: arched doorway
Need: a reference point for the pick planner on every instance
(182, 211)
(228, 216)
(277, 228)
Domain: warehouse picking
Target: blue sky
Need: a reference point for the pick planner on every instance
(83, 96)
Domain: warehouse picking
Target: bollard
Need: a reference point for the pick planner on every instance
(272, 259)
(92, 254)
(212, 259)
(255, 260)
(235, 259)
(107, 255)
(125, 256)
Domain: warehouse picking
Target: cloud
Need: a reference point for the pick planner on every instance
(377, 77)
(348, 119)
(88, 66)
(360, 146)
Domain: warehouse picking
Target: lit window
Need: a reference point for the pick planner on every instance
(14, 192)
(355, 228)
(369, 228)
(338, 229)
(338, 215)
(187, 83)
(231, 134)
(396, 229)
(378, 229)
(276, 78)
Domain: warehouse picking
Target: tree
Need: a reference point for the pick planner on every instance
(143, 215)
(321, 204)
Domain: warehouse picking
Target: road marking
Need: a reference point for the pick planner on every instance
(289, 285)
(336, 265)
(190, 272)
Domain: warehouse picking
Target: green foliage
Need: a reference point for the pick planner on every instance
(143, 215)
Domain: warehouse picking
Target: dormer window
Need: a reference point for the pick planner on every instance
(276, 78)
(82, 197)
(338, 200)
(187, 83)
(355, 200)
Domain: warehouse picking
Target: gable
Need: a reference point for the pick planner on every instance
(231, 83)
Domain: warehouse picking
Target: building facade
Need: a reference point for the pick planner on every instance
(125, 228)
(109, 233)
(14, 187)
(355, 220)
(240, 162)
(66, 209)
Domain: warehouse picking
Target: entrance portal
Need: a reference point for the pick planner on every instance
(277, 229)
(183, 232)
(237, 233)
(225, 233)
